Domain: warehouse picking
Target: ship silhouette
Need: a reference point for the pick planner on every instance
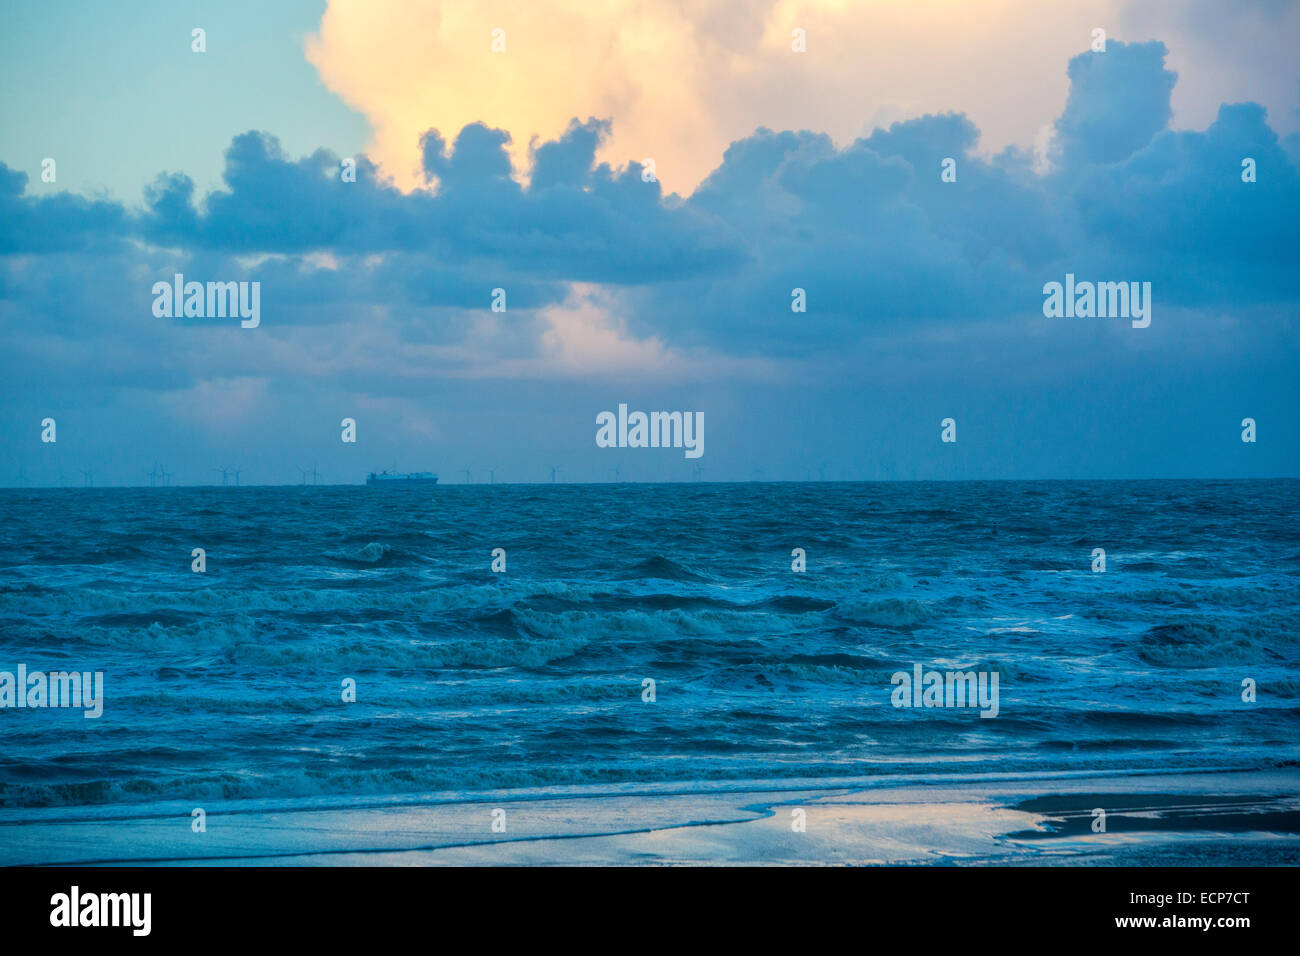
(394, 479)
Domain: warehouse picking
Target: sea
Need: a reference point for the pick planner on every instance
(641, 634)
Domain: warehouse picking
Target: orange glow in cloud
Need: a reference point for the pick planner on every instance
(681, 79)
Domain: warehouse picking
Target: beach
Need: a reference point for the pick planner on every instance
(1210, 819)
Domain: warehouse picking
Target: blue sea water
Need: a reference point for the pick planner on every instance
(227, 684)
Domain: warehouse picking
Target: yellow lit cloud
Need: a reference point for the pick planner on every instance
(681, 79)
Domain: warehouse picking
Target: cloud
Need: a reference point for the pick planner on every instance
(55, 223)
(1119, 100)
(874, 236)
(603, 271)
(220, 403)
(577, 221)
(683, 78)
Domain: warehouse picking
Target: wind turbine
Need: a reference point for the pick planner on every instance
(60, 477)
(22, 478)
(303, 472)
(492, 476)
(618, 473)
(166, 477)
(236, 471)
(153, 475)
(87, 477)
(699, 471)
(225, 472)
(554, 469)
(465, 472)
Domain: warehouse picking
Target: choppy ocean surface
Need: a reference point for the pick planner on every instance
(227, 684)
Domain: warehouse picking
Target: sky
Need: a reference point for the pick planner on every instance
(648, 182)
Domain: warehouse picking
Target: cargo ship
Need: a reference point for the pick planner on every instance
(392, 479)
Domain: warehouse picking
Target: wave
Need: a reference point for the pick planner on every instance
(1200, 642)
(892, 612)
(176, 793)
(664, 569)
(470, 679)
(371, 553)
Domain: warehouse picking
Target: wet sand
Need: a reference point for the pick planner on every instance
(1230, 818)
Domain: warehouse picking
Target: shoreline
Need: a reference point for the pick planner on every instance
(1216, 818)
